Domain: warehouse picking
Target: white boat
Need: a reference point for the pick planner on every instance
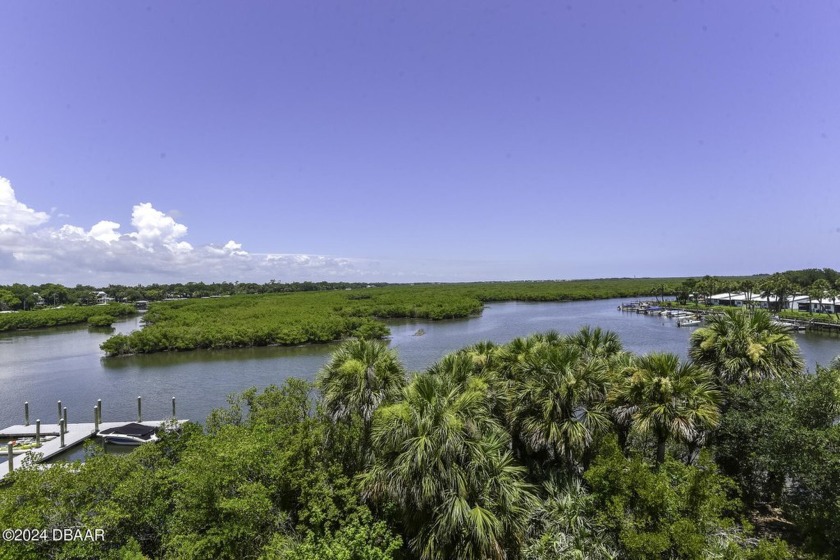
(129, 434)
(681, 314)
(688, 322)
(789, 327)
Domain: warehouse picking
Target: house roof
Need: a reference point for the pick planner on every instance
(741, 296)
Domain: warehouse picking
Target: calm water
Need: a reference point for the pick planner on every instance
(66, 364)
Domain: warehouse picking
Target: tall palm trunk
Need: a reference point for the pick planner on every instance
(661, 439)
(623, 435)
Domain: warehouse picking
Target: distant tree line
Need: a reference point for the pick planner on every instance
(24, 297)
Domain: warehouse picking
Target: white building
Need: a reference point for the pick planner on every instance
(740, 299)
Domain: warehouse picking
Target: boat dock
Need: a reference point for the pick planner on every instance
(53, 442)
(656, 308)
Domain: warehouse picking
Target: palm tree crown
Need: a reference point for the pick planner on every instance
(360, 376)
(445, 462)
(672, 399)
(740, 347)
(595, 342)
(559, 407)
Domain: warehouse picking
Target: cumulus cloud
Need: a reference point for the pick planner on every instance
(16, 217)
(156, 229)
(154, 250)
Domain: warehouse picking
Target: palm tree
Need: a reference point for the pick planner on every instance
(511, 356)
(767, 289)
(483, 355)
(708, 286)
(596, 342)
(445, 463)
(730, 286)
(820, 289)
(740, 347)
(834, 292)
(360, 376)
(475, 362)
(619, 403)
(560, 403)
(673, 399)
(747, 287)
(780, 286)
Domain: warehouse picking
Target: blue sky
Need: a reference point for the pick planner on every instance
(413, 141)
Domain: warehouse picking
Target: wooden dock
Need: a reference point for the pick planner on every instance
(75, 434)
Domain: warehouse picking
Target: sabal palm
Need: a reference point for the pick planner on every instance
(672, 399)
(477, 362)
(444, 461)
(595, 342)
(484, 355)
(619, 402)
(560, 402)
(740, 347)
(510, 356)
(360, 376)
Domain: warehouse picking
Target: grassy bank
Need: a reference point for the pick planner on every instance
(54, 317)
(317, 317)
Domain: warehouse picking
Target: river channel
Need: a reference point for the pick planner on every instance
(66, 364)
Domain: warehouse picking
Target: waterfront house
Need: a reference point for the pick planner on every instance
(739, 299)
(101, 298)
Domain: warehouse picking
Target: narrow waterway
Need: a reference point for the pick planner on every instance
(66, 364)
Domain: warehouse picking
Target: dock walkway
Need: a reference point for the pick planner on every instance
(75, 434)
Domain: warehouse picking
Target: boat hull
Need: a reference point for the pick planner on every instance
(132, 433)
(126, 440)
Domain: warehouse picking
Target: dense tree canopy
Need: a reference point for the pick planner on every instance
(548, 447)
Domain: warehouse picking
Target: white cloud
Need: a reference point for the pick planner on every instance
(153, 251)
(105, 231)
(155, 229)
(16, 217)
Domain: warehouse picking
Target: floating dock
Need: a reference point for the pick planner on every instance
(75, 434)
(53, 442)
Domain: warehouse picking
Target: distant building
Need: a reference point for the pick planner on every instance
(101, 298)
(796, 302)
(820, 305)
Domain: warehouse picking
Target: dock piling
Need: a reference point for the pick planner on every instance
(26, 413)
(64, 418)
(139, 409)
(11, 457)
(95, 419)
(59, 412)
(99, 406)
(173, 408)
(56, 439)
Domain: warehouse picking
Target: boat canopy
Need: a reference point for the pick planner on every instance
(131, 429)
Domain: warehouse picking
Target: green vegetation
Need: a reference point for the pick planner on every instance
(809, 316)
(53, 317)
(740, 347)
(544, 448)
(324, 316)
(432, 301)
(100, 321)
